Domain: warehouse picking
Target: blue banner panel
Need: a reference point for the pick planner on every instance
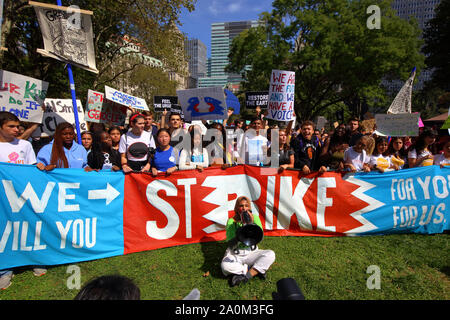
(406, 201)
(58, 217)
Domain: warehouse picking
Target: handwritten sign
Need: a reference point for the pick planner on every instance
(398, 125)
(203, 103)
(281, 95)
(100, 110)
(57, 111)
(125, 99)
(22, 96)
(67, 34)
(256, 99)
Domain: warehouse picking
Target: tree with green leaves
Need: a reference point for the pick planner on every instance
(337, 59)
(437, 46)
(151, 22)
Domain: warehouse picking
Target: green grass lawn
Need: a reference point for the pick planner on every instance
(412, 267)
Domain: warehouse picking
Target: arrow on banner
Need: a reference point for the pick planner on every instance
(110, 193)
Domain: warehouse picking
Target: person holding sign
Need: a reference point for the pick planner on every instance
(241, 262)
(308, 150)
(63, 151)
(380, 159)
(197, 157)
(17, 151)
(419, 154)
(13, 150)
(164, 159)
(135, 146)
(102, 155)
(443, 159)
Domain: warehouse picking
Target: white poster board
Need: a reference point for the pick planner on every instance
(203, 103)
(281, 95)
(22, 96)
(125, 99)
(57, 111)
(398, 125)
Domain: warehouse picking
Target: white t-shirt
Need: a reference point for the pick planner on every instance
(130, 144)
(18, 151)
(380, 161)
(413, 155)
(440, 159)
(355, 158)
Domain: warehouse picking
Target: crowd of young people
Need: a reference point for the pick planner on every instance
(169, 145)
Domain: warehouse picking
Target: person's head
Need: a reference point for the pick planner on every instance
(9, 126)
(256, 124)
(361, 144)
(317, 133)
(446, 149)
(115, 133)
(307, 129)
(282, 136)
(148, 118)
(86, 139)
(63, 138)
(395, 145)
(353, 124)
(425, 139)
(324, 136)
(105, 140)
(137, 123)
(175, 120)
(196, 136)
(163, 137)
(113, 287)
(242, 204)
(381, 146)
(239, 123)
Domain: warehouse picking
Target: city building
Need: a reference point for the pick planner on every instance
(222, 35)
(196, 54)
(422, 11)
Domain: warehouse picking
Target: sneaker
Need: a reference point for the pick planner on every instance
(5, 280)
(39, 271)
(238, 279)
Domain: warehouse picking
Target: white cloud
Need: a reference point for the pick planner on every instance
(234, 7)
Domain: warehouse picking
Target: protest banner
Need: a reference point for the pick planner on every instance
(57, 111)
(256, 99)
(161, 103)
(281, 95)
(398, 125)
(125, 99)
(203, 103)
(100, 110)
(69, 216)
(67, 33)
(22, 96)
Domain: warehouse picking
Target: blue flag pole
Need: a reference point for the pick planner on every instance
(72, 91)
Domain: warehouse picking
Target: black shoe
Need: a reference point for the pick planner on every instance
(237, 279)
(262, 276)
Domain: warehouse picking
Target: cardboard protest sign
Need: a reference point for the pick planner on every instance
(67, 33)
(100, 110)
(203, 103)
(256, 99)
(281, 95)
(398, 125)
(161, 103)
(125, 99)
(22, 96)
(57, 111)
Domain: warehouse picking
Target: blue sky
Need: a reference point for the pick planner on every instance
(197, 24)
